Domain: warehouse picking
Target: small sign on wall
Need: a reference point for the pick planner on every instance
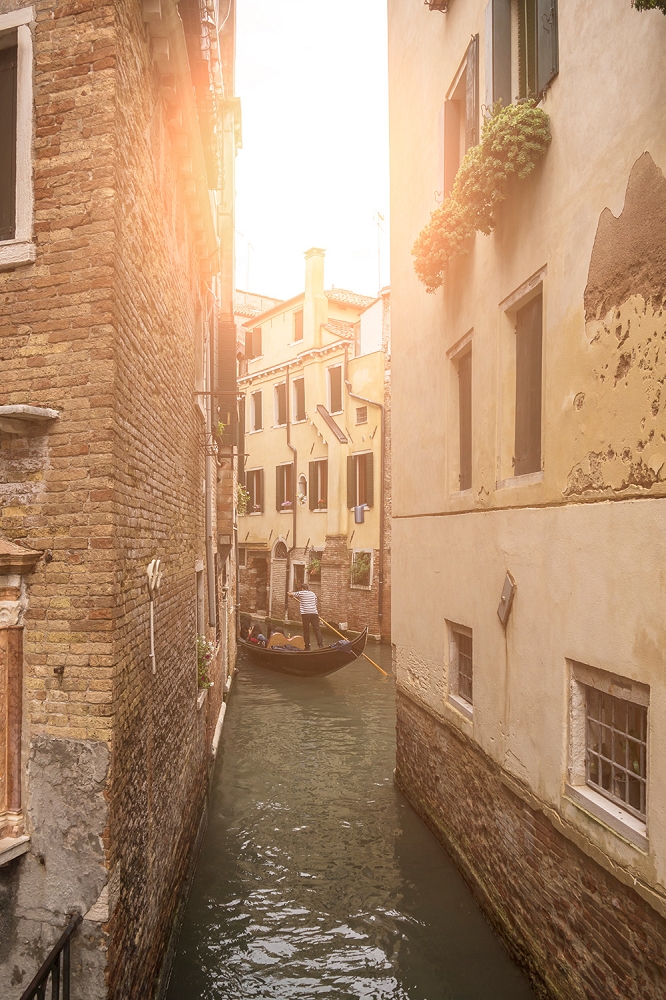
(506, 600)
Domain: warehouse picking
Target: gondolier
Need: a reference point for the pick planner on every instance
(307, 605)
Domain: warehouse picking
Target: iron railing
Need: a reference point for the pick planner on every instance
(55, 967)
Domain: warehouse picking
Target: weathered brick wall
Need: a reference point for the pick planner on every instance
(581, 933)
(340, 602)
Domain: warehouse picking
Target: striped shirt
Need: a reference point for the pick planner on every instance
(307, 602)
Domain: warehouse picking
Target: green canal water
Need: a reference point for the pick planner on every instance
(316, 879)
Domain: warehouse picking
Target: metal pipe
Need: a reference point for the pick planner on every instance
(373, 402)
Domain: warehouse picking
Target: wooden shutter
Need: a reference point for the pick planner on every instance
(323, 481)
(451, 143)
(289, 483)
(281, 394)
(260, 488)
(299, 394)
(279, 487)
(312, 486)
(8, 63)
(369, 483)
(472, 94)
(501, 51)
(465, 419)
(527, 75)
(528, 388)
(335, 384)
(351, 481)
(547, 61)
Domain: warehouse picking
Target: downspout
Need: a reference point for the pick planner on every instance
(293, 495)
(372, 402)
(210, 560)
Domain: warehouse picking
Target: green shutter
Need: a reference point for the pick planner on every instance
(369, 482)
(312, 484)
(546, 43)
(351, 481)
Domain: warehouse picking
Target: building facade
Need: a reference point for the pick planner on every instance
(117, 414)
(315, 380)
(529, 548)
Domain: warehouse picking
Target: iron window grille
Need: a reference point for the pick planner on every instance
(464, 647)
(616, 750)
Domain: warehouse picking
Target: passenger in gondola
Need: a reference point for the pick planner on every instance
(307, 605)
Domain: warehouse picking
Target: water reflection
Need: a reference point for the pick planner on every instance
(316, 878)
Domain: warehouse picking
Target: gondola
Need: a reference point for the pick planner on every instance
(306, 663)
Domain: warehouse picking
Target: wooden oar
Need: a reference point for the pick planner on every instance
(362, 654)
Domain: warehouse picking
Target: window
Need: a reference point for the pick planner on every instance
(537, 46)
(527, 451)
(608, 749)
(284, 487)
(461, 665)
(280, 550)
(465, 419)
(280, 400)
(254, 484)
(360, 486)
(361, 414)
(361, 569)
(299, 399)
(242, 558)
(297, 575)
(298, 324)
(302, 489)
(256, 411)
(335, 390)
(16, 195)
(201, 601)
(253, 346)
(319, 484)
(616, 749)
(314, 566)
(459, 118)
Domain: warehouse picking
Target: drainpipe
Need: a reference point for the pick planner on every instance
(210, 561)
(372, 402)
(293, 495)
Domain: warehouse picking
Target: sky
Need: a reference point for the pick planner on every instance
(313, 170)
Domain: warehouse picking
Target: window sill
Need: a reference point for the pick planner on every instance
(255, 513)
(610, 815)
(530, 479)
(319, 510)
(462, 706)
(17, 253)
(257, 430)
(13, 847)
(301, 420)
(360, 586)
(458, 494)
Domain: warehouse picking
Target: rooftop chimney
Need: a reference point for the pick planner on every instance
(315, 306)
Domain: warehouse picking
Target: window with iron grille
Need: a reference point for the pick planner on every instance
(616, 749)
(461, 668)
(361, 414)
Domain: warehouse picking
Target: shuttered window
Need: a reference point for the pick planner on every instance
(318, 492)
(335, 389)
(527, 457)
(498, 27)
(254, 484)
(465, 419)
(460, 117)
(281, 404)
(284, 487)
(253, 345)
(538, 59)
(360, 484)
(298, 324)
(299, 399)
(257, 411)
(8, 65)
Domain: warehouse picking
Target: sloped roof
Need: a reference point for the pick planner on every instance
(347, 298)
(245, 309)
(340, 328)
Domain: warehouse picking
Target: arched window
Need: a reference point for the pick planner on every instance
(280, 551)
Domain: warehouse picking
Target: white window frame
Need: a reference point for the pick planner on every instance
(362, 586)
(21, 250)
(253, 411)
(315, 486)
(595, 803)
(294, 563)
(255, 513)
(454, 698)
(242, 557)
(342, 395)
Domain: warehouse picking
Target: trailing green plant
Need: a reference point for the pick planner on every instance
(314, 569)
(513, 140)
(242, 499)
(649, 5)
(205, 654)
(360, 571)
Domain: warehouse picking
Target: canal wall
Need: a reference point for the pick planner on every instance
(581, 932)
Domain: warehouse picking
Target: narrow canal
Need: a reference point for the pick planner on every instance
(315, 876)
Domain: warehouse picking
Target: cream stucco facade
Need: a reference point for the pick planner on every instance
(314, 408)
(582, 532)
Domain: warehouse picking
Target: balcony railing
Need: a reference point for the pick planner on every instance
(55, 967)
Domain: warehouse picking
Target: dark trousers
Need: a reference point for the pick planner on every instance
(313, 620)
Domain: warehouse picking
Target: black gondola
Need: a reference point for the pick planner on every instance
(307, 663)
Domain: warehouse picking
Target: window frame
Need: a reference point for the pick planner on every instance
(361, 415)
(354, 554)
(251, 486)
(20, 249)
(253, 411)
(355, 462)
(276, 404)
(334, 368)
(455, 697)
(315, 485)
(296, 419)
(282, 481)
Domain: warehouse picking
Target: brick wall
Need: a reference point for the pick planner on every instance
(581, 933)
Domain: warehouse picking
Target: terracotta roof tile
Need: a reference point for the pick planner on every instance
(347, 298)
(340, 328)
